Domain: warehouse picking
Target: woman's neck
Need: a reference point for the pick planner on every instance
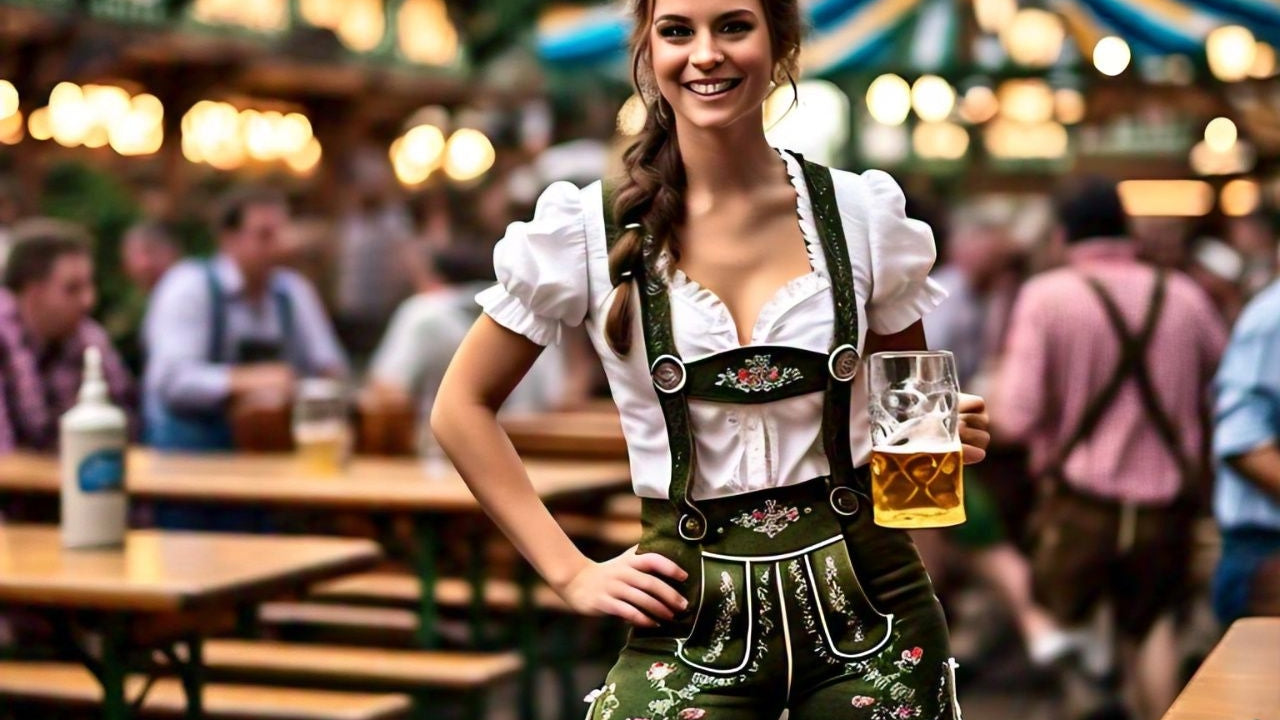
(727, 160)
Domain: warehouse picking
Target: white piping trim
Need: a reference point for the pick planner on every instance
(826, 632)
(774, 558)
(786, 627)
(746, 653)
(955, 700)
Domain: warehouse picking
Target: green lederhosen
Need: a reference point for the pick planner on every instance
(796, 598)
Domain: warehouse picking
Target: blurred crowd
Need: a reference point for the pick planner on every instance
(1132, 366)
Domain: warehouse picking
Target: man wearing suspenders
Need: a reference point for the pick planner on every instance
(1105, 378)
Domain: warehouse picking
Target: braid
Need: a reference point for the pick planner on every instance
(648, 202)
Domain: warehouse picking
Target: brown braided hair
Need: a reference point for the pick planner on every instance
(649, 197)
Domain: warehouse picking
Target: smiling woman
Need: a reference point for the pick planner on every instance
(761, 582)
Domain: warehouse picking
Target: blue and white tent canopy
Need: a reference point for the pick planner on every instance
(919, 36)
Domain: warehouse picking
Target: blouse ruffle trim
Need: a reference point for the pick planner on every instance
(508, 311)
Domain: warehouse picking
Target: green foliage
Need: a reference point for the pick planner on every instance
(98, 201)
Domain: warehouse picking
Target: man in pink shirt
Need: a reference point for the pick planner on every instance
(45, 328)
(1105, 379)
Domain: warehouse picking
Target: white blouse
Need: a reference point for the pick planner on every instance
(553, 271)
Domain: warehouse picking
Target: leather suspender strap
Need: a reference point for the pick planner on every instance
(1139, 372)
(844, 359)
(1132, 364)
(217, 314)
(284, 308)
(669, 376)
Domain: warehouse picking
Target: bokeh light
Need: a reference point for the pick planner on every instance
(889, 99)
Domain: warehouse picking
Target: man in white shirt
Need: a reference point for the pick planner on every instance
(428, 327)
(233, 326)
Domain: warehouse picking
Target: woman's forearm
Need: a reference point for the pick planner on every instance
(469, 432)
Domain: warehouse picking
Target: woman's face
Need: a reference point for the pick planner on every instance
(712, 59)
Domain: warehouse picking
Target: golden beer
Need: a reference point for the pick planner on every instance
(914, 489)
(323, 450)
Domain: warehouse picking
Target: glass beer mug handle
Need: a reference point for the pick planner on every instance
(916, 465)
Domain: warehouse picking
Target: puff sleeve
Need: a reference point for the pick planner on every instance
(541, 267)
(902, 253)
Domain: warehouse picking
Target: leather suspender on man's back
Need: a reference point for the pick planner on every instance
(1131, 365)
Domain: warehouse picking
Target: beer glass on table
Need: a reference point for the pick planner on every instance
(321, 427)
(916, 465)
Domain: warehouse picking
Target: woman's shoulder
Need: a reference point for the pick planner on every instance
(573, 211)
(866, 190)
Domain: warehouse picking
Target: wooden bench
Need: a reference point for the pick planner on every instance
(402, 590)
(399, 590)
(72, 684)
(424, 674)
(367, 668)
(355, 624)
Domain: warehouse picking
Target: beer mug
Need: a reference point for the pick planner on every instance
(916, 465)
(321, 428)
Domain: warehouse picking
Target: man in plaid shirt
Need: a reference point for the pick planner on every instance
(44, 330)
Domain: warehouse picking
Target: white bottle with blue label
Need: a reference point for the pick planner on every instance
(94, 435)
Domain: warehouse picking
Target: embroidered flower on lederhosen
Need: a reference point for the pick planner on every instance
(773, 519)
(659, 670)
(758, 375)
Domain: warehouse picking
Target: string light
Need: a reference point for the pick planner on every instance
(889, 99)
(1111, 55)
(933, 98)
(1034, 37)
(468, 155)
(1220, 134)
(1230, 50)
(217, 134)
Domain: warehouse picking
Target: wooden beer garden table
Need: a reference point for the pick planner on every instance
(158, 588)
(373, 485)
(1240, 680)
(589, 433)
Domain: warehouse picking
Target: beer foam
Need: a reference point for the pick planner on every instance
(314, 432)
(923, 446)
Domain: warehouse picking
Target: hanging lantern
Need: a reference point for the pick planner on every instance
(994, 15)
(1028, 100)
(362, 26)
(933, 98)
(1220, 134)
(38, 124)
(1068, 105)
(889, 99)
(1240, 197)
(979, 105)
(468, 155)
(8, 99)
(12, 128)
(1111, 55)
(1231, 50)
(1264, 62)
(940, 140)
(425, 33)
(1034, 37)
